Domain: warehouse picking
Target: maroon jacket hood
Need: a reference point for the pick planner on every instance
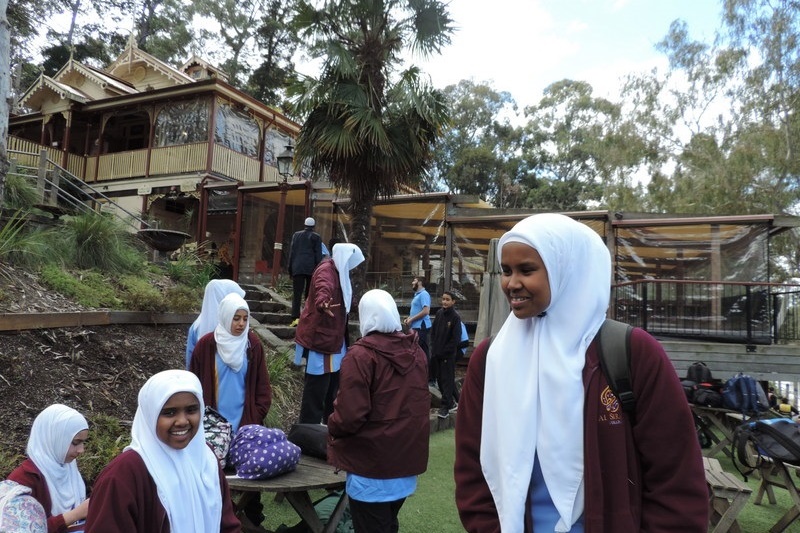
(396, 348)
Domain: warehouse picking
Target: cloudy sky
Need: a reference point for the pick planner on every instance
(522, 46)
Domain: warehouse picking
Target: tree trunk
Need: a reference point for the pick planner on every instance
(5, 94)
(360, 235)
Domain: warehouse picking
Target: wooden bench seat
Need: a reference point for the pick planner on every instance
(728, 497)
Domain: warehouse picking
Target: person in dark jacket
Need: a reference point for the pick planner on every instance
(445, 342)
(379, 429)
(320, 337)
(542, 444)
(305, 253)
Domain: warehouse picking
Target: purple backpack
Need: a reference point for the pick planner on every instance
(258, 452)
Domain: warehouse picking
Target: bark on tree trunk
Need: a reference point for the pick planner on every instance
(360, 235)
(5, 94)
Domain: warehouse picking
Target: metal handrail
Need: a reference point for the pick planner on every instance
(72, 200)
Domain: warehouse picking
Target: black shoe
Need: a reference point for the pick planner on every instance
(443, 413)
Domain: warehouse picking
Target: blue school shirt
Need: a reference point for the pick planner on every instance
(544, 513)
(230, 392)
(365, 489)
(421, 300)
(318, 363)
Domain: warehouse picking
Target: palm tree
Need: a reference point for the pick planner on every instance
(370, 126)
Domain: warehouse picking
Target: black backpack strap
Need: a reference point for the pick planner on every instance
(614, 350)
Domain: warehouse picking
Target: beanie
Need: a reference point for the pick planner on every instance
(310, 222)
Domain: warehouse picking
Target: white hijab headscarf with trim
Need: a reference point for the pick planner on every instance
(346, 257)
(187, 480)
(231, 348)
(52, 433)
(534, 395)
(377, 311)
(215, 291)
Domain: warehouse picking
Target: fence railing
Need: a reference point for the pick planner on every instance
(753, 313)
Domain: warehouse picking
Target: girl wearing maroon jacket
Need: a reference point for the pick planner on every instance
(541, 442)
(168, 480)
(57, 439)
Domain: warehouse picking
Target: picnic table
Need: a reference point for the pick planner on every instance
(723, 420)
(775, 473)
(311, 474)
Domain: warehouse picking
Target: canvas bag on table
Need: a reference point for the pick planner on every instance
(258, 452)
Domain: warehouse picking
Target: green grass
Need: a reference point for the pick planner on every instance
(434, 501)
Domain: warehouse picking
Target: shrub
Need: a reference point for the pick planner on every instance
(183, 299)
(286, 384)
(138, 294)
(107, 438)
(20, 193)
(94, 240)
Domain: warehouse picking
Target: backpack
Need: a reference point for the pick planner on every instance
(699, 373)
(742, 393)
(706, 395)
(614, 340)
(19, 511)
(776, 438)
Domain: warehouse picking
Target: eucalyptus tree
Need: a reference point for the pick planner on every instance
(161, 28)
(237, 24)
(578, 150)
(276, 43)
(370, 124)
(477, 150)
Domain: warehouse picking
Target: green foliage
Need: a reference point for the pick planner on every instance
(8, 462)
(286, 381)
(107, 439)
(140, 295)
(183, 299)
(93, 240)
(191, 269)
(369, 126)
(20, 193)
(19, 243)
(89, 288)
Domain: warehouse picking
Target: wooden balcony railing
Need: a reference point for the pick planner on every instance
(167, 160)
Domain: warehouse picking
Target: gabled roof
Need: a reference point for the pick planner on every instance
(133, 58)
(36, 94)
(195, 60)
(114, 86)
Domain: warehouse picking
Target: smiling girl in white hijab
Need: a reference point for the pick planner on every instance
(161, 482)
(57, 438)
(541, 442)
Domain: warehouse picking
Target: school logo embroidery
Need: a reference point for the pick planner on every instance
(613, 409)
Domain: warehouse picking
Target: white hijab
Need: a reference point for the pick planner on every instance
(534, 396)
(377, 311)
(51, 435)
(231, 348)
(187, 480)
(215, 291)
(346, 257)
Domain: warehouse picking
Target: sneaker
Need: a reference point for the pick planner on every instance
(454, 408)
(294, 323)
(443, 413)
